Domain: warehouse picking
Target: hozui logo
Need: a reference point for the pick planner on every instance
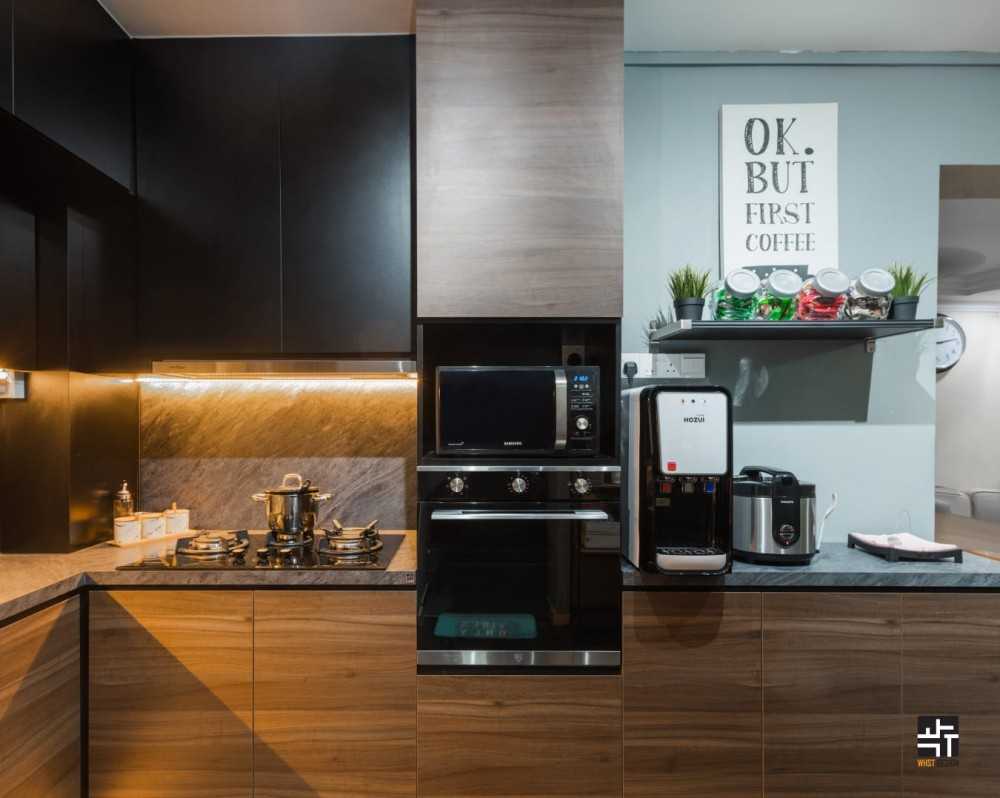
(513, 443)
(694, 419)
(937, 741)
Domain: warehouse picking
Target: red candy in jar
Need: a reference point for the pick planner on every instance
(823, 296)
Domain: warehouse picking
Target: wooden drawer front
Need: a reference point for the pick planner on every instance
(951, 666)
(831, 695)
(518, 736)
(40, 704)
(692, 694)
(170, 694)
(334, 694)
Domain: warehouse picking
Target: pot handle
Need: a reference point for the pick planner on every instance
(259, 497)
(294, 482)
(322, 497)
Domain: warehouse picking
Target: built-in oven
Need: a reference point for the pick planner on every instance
(517, 410)
(515, 583)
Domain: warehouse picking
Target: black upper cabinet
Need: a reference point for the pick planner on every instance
(17, 286)
(209, 188)
(346, 117)
(73, 80)
(6, 55)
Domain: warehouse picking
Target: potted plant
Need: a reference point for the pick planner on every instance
(906, 292)
(689, 287)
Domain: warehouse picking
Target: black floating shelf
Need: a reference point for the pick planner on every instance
(786, 330)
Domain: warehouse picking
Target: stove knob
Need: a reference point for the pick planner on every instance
(519, 484)
(581, 485)
(456, 484)
(582, 423)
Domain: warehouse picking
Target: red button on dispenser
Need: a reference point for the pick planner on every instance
(671, 465)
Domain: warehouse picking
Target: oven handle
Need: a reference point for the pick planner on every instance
(490, 515)
(561, 402)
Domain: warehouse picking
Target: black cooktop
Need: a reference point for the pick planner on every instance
(253, 553)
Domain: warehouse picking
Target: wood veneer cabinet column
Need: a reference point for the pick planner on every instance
(518, 736)
(951, 666)
(832, 695)
(170, 694)
(335, 694)
(40, 704)
(692, 694)
(519, 158)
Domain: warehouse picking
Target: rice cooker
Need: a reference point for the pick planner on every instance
(774, 517)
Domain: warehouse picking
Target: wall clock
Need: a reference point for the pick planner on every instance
(950, 343)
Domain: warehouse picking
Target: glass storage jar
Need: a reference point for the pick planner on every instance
(823, 296)
(870, 296)
(735, 298)
(776, 300)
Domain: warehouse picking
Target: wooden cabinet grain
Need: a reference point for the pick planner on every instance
(519, 158)
(518, 736)
(170, 694)
(951, 666)
(334, 694)
(40, 704)
(831, 695)
(692, 694)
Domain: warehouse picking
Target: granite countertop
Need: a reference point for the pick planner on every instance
(27, 580)
(837, 567)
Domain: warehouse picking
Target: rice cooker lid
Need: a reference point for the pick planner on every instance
(756, 488)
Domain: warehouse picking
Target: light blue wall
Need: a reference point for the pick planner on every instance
(898, 125)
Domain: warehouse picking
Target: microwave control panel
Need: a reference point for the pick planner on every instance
(583, 389)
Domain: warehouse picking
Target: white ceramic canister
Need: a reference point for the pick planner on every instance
(127, 530)
(153, 525)
(178, 520)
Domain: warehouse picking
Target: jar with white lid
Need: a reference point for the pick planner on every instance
(177, 520)
(778, 293)
(735, 298)
(823, 296)
(870, 296)
(152, 525)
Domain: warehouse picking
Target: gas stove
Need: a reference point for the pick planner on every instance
(337, 548)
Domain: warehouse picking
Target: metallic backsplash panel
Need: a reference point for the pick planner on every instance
(209, 444)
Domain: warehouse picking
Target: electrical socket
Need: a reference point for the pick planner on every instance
(671, 366)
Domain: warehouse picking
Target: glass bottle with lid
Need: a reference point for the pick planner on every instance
(123, 503)
(735, 298)
(776, 300)
(870, 296)
(823, 296)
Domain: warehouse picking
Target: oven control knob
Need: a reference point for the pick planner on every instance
(456, 484)
(582, 423)
(519, 484)
(581, 485)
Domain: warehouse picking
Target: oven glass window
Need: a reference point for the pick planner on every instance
(504, 410)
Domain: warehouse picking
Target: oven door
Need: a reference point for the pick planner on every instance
(485, 410)
(519, 586)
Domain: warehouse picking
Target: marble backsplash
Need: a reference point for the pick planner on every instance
(209, 444)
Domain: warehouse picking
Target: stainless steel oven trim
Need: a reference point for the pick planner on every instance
(529, 469)
(513, 515)
(561, 431)
(485, 658)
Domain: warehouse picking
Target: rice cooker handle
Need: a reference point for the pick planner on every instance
(777, 475)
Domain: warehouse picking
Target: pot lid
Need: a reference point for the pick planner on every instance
(831, 282)
(293, 483)
(876, 282)
(742, 283)
(784, 283)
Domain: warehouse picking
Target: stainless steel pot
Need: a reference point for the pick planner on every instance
(292, 508)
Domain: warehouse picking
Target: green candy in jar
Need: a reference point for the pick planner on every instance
(776, 301)
(736, 297)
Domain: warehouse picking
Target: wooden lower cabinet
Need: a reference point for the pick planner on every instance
(951, 666)
(516, 736)
(334, 694)
(40, 704)
(692, 694)
(832, 695)
(170, 693)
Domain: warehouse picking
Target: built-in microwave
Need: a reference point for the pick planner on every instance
(518, 410)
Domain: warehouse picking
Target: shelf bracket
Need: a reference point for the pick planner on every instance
(870, 346)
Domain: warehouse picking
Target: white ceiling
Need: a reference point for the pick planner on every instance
(261, 17)
(821, 25)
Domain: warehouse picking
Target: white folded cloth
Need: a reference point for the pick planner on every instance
(904, 541)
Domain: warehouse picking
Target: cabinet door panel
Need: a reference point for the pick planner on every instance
(6, 55)
(334, 694)
(346, 110)
(40, 704)
(518, 736)
(170, 694)
(209, 197)
(692, 694)
(951, 666)
(73, 80)
(17, 287)
(519, 160)
(831, 695)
